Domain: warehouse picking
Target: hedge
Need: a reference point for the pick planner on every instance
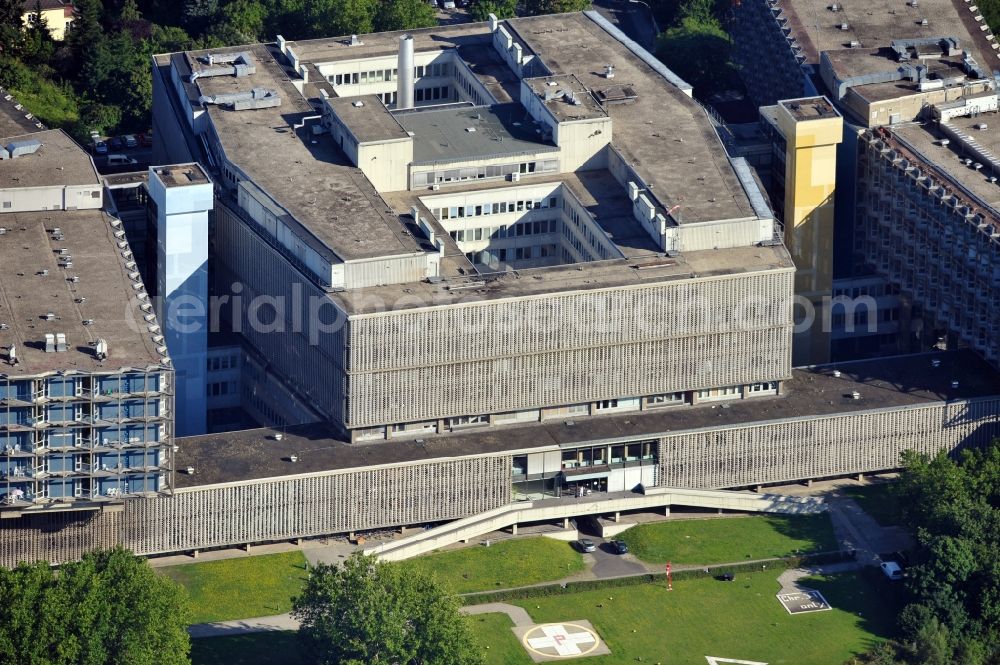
(561, 588)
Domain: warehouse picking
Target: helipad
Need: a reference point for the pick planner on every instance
(558, 641)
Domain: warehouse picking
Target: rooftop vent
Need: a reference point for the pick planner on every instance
(101, 349)
(855, 395)
(844, 26)
(20, 148)
(936, 362)
(258, 98)
(355, 41)
(50, 343)
(835, 7)
(954, 384)
(923, 21)
(49, 316)
(609, 71)
(358, 104)
(61, 342)
(229, 64)
(854, 44)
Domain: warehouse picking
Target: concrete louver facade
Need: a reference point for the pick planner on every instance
(275, 509)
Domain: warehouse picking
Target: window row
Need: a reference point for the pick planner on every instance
(389, 75)
(219, 388)
(502, 207)
(424, 178)
(218, 363)
(536, 227)
(494, 257)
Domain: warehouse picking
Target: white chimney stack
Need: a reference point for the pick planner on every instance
(404, 84)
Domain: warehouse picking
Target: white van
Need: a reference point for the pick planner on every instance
(120, 160)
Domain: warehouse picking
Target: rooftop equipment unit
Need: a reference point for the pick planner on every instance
(20, 148)
(234, 64)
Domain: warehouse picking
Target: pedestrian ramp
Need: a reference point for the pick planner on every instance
(564, 508)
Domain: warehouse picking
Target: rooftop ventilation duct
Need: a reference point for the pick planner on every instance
(20, 148)
(404, 84)
(258, 98)
(230, 64)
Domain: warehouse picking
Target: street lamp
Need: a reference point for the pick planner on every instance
(651, 14)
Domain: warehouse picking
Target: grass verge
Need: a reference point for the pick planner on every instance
(240, 588)
(708, 541)
(503, 565)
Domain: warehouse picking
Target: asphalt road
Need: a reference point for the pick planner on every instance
(609, 564)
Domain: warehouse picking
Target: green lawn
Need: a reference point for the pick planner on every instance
(493, 633)
(506, 564)
(727, 540)
(240, 588)
(878, 500)
(702, 617)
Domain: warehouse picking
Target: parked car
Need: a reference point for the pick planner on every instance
(448, 4)
(586, 545)
(116, 143)
(121, 160)
(619, 546)
(892, 570)
(100, 148)
(130, 141)
(146, 139)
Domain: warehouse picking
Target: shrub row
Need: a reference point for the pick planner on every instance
(561, 588)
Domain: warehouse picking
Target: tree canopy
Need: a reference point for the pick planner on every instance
(365, 612)
(952, 504)
(110, 608)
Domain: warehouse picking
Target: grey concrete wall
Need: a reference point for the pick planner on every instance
(568, 348)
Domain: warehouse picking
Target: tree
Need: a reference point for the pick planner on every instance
(953, 506)
(697, 50)
(242, 22)
(10, 26)
(404, 15)
(327, 18)
(108, 608)
(480, 10)
(366, 612)
(537, 7)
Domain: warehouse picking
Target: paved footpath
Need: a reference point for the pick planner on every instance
(243, 626)
(518, 615)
